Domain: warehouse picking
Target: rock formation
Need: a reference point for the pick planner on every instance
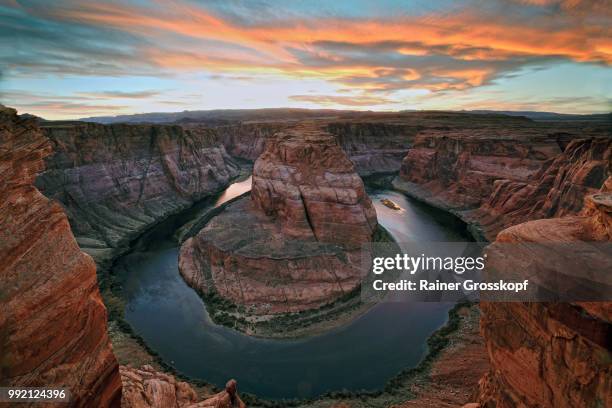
(52, 320)
(247, 140)
(147, 388)
(372, 146)
(296, 243)
(541, 354)
(306, 182)
(550, 354)
(115, 181)
(558, 189)
(493, 182)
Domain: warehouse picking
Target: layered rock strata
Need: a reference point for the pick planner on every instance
(559, 188)
(541, 354)
(551, 354)
(247, 140)
(296, 243)
(496, 182)
(373, 147)
(52, 320)
(306, 182)
(115, 181)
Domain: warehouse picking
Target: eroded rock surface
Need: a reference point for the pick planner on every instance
(306, 182)
(558, 189)
(114, 181)
(147, 388)
(493, 182)
(550, 354)
(247, 140)
(52, 320)
(541, 354)
(373, 146)
(295, 244)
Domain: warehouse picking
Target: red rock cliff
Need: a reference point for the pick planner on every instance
(147, 388)
(541, 354)
(52, 319)
(550, 354)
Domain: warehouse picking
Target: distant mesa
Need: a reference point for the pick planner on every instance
(234, 115)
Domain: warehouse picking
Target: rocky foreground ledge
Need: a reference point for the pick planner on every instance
(551, 354)
(53, 324)
(148, 388)
(295, 243)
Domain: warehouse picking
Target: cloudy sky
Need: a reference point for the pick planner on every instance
(70, 59)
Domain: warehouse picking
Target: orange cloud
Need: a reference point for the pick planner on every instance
(467, 30)
(432, 52)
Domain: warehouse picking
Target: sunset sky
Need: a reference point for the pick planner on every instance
(71, 59)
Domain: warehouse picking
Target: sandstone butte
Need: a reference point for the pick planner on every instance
(295, 244)
(53, 330)
(541, 354)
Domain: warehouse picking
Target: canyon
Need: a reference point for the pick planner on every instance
(374, 146)
(52, 319)
(77, 194)
(493, 181)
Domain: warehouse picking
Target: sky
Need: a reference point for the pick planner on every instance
(67, 59)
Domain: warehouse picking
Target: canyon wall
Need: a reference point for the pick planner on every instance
(114, 181)
(296, 243)
(373, 147)
(52, 320)
(247, 141)
(551, 354)
(546, 188)
(493, 182)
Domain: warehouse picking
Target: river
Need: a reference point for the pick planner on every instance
(363, 354)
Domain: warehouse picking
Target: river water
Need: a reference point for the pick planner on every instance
(363, 354)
